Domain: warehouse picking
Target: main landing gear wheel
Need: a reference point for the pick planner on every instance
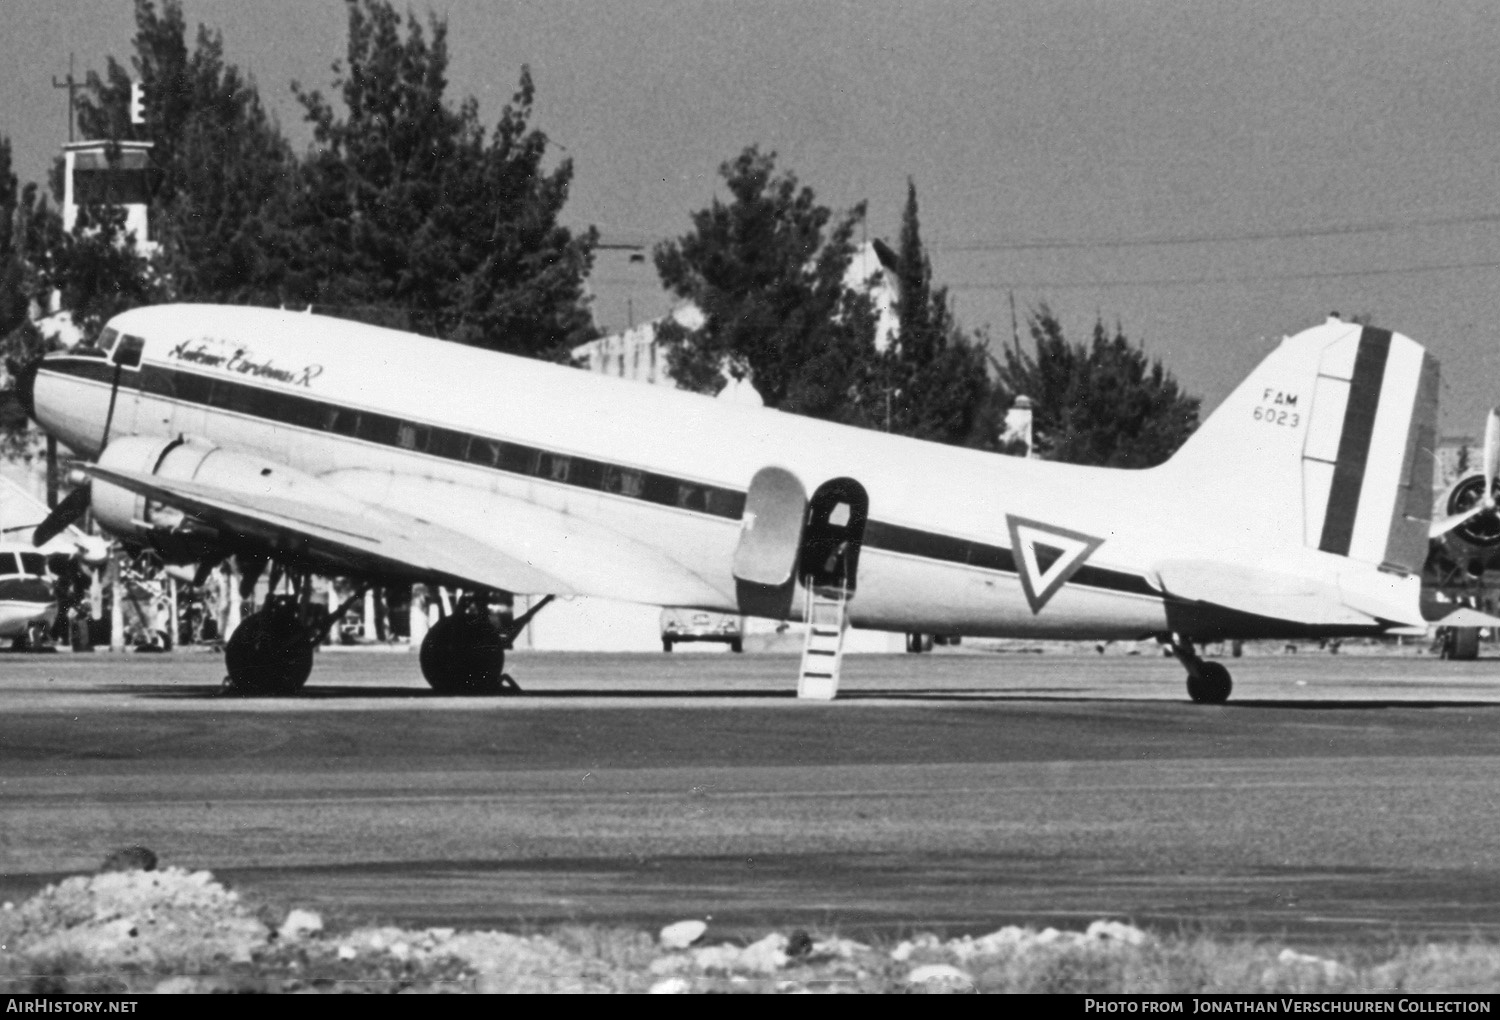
(268, 654)
(1207, 682)
(464, 654)
(1211, 685)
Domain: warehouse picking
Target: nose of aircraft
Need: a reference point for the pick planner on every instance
(25, 385)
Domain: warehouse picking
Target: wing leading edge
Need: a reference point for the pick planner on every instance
(525, 549)
(381, 542)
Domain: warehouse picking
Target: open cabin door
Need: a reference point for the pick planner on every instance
(828, 568)
(833, 535)
(787, 540)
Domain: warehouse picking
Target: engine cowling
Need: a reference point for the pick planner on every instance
(136, 520)
(1473, 545)
(180, 538)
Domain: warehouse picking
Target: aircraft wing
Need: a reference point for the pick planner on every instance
(382, 541)
(537, 551)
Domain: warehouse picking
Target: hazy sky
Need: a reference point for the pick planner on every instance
(1208, 174)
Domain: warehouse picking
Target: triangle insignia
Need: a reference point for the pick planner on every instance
(1046, 556)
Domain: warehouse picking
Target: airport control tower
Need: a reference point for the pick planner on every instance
(110, 173)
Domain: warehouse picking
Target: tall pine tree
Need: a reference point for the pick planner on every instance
(1102, 402)
(935, 375)
(767, 270)
(412, 215)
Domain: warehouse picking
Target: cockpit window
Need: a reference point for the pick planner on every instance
(107, 339)
(33, 563)
(128, 353)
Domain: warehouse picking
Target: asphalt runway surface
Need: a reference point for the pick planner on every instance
(1335, 798)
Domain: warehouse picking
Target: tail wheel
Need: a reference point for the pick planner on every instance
(268, 654)
(464, 654)
(1210, 684)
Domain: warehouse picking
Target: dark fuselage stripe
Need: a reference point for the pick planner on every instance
(295, 410)
(1354, 441)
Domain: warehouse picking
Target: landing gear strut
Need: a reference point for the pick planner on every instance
(1207, 682)
(464, 653)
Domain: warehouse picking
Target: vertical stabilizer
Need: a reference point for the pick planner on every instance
(1329, 439)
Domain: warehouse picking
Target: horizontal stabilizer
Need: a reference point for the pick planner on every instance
(1261, 592)
(1466, 617)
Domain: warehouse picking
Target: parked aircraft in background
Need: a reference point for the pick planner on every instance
(28, 594)
(20, 515)
(1300, 508)
(1466, 546)
(28, 600)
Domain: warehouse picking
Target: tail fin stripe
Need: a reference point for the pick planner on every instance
(1354, 442)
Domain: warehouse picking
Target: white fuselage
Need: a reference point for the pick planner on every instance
(659, 467)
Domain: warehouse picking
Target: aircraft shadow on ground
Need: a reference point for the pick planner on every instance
(200, 692)
(1326, 704)
(949, 696)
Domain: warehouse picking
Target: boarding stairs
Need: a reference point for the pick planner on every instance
(826, 611)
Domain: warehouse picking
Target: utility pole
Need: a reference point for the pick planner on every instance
(72, 85)
(1015, 330)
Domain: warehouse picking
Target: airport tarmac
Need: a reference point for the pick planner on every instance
(1335, 798)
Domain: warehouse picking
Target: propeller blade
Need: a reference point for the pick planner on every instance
(68, 511)
(1491, 455)
(1447, 524)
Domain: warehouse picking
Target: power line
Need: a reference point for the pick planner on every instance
(1334, 230)
(1191, 281)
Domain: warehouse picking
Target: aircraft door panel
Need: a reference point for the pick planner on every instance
(771, 529)
(770, 544)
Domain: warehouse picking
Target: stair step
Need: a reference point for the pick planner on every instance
(826, 614)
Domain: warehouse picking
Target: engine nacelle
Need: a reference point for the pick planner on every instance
(1475, 544)
(177, 537)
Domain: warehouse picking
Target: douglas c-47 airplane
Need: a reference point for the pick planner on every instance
(1299, 509)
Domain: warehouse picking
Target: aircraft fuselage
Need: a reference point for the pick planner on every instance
(957, 541)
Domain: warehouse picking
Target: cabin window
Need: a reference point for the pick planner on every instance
(196, 389)
(557, 468)
(8, 566)
(624, 481)
(520, 459)
(33, 563)
(378, 428)
(724, 503)
(341, 421)
(127, 353)
(588, 474)
(485, 452)
(410, 436)
(449, 444)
